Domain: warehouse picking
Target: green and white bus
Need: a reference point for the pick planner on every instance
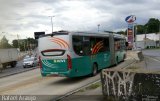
(74, 54)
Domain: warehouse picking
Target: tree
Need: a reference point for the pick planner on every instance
(25, 44)
(15, 43)
(32, 43)
(121, 32)
(4, 43)
(152, 25)
(140, 29)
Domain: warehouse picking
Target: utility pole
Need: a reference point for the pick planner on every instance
(159, 33)
(24, 46)
(52, 22)
(145, 36)
(98, 27)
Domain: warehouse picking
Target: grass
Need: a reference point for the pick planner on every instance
(152, 48)
(133, 67)
(91, 87)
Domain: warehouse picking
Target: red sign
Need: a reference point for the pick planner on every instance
(130, 36)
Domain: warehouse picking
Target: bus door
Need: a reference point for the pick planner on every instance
(107, 53)
(81, 47)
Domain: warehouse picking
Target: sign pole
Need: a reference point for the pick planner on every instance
(133, 37)
(130, 30)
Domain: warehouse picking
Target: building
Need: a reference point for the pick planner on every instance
(147, 40)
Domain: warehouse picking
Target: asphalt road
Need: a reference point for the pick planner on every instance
(152, 52)
(151, 59)
(17, 69)
(32, 83)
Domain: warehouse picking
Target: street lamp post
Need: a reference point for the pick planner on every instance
(18, 42)
(145, 36)
(52, 22)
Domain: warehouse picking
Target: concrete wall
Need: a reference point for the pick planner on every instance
(144, 44)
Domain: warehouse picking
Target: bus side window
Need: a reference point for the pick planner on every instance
(93, 43)
(117, 44)
(77, 45)
(100, 45)
(106, 44)
(103, 44)
(86, 45)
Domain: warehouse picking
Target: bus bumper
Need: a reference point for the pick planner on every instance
(56, 74)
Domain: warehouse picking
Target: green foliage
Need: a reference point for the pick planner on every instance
(4, 43)
(140, 29)
(15, 43)
(121, 32)
(152, 26)
(25, 44)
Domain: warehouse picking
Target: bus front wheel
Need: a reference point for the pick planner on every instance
(116, 61)
(95, 69)
(124, 56)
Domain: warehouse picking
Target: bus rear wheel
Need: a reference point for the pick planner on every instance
(95, 69)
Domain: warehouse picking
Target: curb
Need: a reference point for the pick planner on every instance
(132, 62)
(18, 72)
(75, 91)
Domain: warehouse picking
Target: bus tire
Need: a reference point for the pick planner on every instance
(94, 69)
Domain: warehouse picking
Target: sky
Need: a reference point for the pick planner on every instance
(21, 18)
